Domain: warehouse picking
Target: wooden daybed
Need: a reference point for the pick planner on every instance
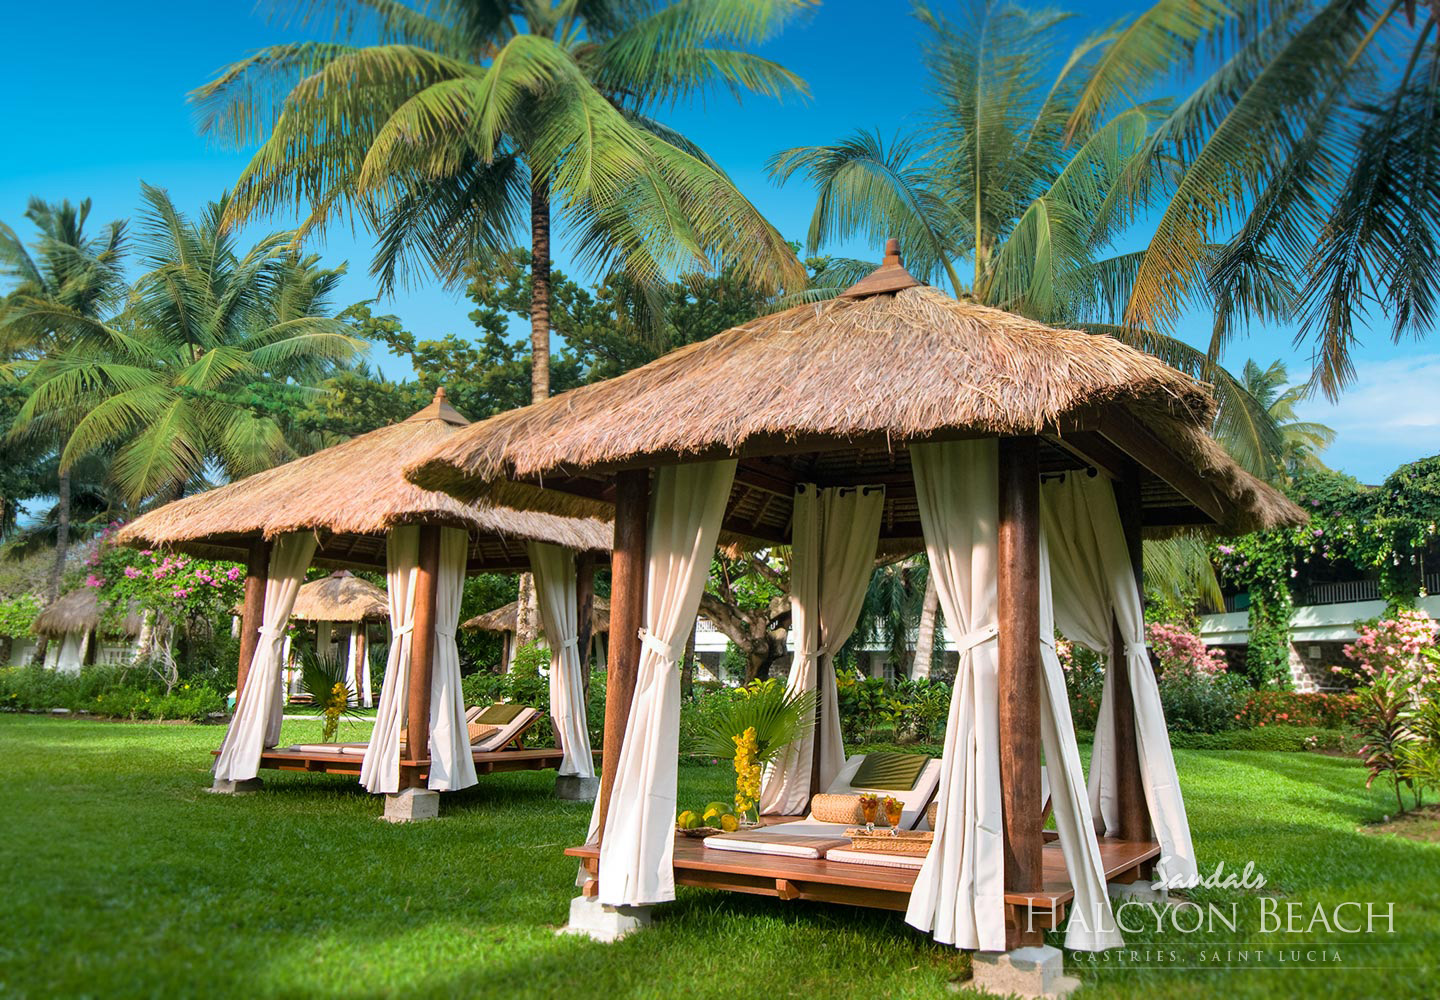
(875, 886)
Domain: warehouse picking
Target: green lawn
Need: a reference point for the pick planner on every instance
(122, 877)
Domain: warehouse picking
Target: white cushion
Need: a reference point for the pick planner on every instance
(854, 857)
(507, 733)
(719, 843)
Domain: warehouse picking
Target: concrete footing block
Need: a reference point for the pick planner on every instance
(226, 786)
(574, 788)
(1137, 892)
(1036, 971)
(411, 805)
(590, 918)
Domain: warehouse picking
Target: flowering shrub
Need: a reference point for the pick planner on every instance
(1393, 646)
(1177, 649)
(178, 587)
(1291, 708)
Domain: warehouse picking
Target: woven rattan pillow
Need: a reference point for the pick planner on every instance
(479, 732)
(931, 811)
(831, 808)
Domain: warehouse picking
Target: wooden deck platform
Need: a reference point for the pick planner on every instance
(872, 885)
(317, 762)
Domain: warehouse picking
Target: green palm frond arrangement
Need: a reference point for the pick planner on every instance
(779, 720)
(323, 676)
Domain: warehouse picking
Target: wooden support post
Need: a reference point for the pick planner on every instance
(1134, 813)
(1018, 612)
(585, 610)
(422, 654)
(252, 612)
(627, 616)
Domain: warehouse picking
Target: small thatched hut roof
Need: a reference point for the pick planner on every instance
(833, 392)
(351, 495)
(503, 619)
(341, 597)
(80, 611)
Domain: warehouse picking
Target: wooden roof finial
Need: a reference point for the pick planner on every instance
(440, 409)
(889, 277)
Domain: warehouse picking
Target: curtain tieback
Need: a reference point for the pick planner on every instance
(978, 637)
(444, 633)
(403, 630)
(271, 632)
(665, 650)
(571, 643)
(1047, 640)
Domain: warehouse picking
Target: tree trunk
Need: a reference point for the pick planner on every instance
(539, 289)
(687, 669)
(62, 534)
(527, 615)
(925, 640)
(757, 665)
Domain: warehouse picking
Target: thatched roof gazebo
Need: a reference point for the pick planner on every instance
(72, 624)
(505, 621)
(1027, 462)
(350, 507)
(341, 605)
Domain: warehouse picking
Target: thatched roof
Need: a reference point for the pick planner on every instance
(832, 392)
(351, 494)
(503, 619)
(341, 597)
(80, 611)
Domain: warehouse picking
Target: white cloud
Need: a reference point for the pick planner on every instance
(1390, 415)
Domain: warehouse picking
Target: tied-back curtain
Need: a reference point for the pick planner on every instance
(451, 765)
(834, 533)
(959, 894)
(1092, 920)
(637, 851)
(1093, 581)
(380, 768)
(259, 712)
(554, 569)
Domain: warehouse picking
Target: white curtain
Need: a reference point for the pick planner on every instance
(834, 533)
(257, 720)
(637, 850)
(1092, 920)
(380, 768)
(451, 765)
(959, 893)
(1095, 588)
(554, 569)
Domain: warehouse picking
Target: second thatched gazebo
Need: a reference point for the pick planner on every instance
(343, 606)
(75, 627)
(505, 622)
(349, 507)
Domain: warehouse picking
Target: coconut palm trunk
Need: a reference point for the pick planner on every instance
(925, 637)
(62, 534)
(539, 289)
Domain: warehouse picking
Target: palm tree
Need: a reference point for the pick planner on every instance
(1301, 441)
(1025, 184)
(891, 610)
(1317, 140)
(192, 376)
(468, 114)
(70, 278)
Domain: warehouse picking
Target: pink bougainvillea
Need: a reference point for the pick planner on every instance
(1179, 650)
(1391, 646)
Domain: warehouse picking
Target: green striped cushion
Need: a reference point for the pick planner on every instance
(894, 772)
(499, 715)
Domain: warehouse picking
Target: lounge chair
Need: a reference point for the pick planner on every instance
(506, 722)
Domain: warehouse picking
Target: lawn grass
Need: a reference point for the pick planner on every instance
(123, 877)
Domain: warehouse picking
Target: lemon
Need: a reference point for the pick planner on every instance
(687, 820)
(729, 823)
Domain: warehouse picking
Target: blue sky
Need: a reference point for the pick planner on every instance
(98, 102)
